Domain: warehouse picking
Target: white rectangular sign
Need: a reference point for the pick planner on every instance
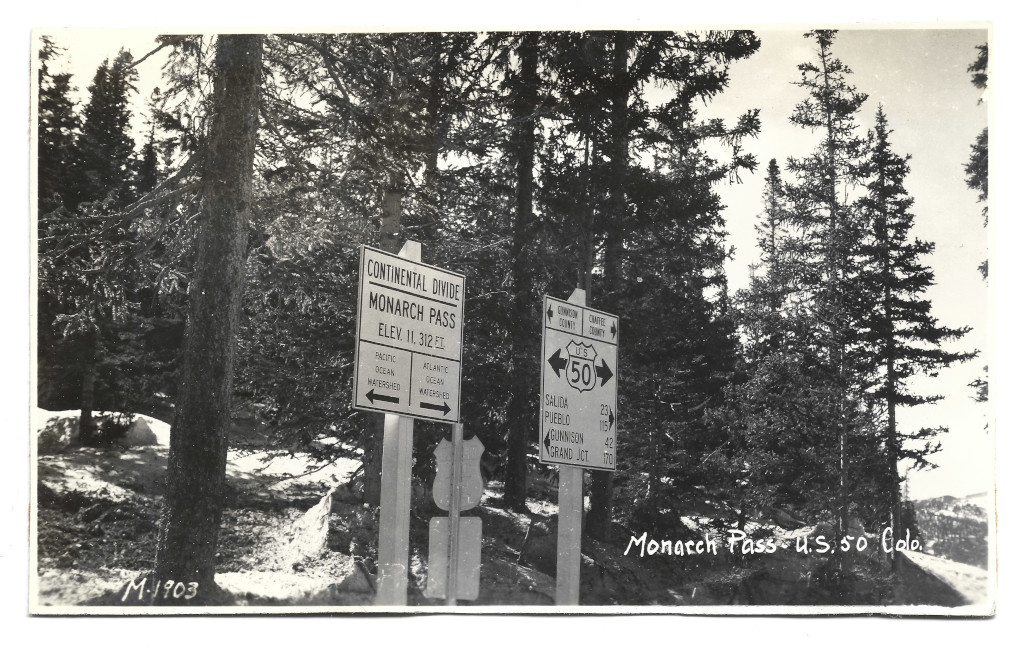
(578, 386)
(408, 338)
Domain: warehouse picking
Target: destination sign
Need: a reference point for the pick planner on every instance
(408, 337)
(579, 386)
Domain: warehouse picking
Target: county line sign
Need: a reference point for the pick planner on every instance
(578, 386)
(408, 338)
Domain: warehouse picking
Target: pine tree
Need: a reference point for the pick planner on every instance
(86, 253)
(524, 101)
(148, 173)
(764, 303)
(829, 233)
(190, 522)
(625, 220)
(977, 179)
(106, 149)
(57, 129)
(977, 165)
(901, 336)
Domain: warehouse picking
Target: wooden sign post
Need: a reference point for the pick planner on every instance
(395, 497)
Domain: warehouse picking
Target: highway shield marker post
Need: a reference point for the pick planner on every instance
(579, 389)
(453, 564)
(408, 365)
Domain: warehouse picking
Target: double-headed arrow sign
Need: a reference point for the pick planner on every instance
(557, 362)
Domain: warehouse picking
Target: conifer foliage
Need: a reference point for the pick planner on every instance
(901, 337)
(533, 163)
(835, 323)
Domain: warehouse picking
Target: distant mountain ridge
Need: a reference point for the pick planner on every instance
(955, 528)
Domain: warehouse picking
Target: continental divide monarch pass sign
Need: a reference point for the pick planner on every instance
(408, 338)
(579, 386)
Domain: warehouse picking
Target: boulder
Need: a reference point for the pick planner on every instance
(825, 529)
(57, 434)
(140, 434)
(307, 536)
(540, 548)
(785, 520)
(357, 581)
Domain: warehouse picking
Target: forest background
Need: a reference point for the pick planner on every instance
(754, 182)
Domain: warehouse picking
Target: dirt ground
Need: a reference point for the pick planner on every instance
(97, 524)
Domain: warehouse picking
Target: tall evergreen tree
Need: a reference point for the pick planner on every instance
(770, 280)
(900, 334)
(190, 522)
(86, 249)
(977, 179)
(829, 236)
(977, 165)
(106, 149)
(525, 90)
(57, 129)
(622, 212)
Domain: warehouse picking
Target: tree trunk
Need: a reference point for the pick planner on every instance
(190, 524)
(86, 425)
(599, 520)
(521, 417)
(435, 96)
(892, 444)
(373, 444)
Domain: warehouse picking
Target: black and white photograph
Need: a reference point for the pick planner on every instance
(691, 319)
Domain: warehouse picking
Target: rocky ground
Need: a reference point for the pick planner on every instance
(295, 539)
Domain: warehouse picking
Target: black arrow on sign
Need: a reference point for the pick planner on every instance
(611, 418)
(440, 408)
(603, 372)
(613, 330)
(550, 313)
(386, 399)
(547, 442)
(558, 363)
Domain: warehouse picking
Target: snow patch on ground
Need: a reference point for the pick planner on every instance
(970, 581)
(538, 507)
(103, 474)
(274, 584)
(291, 470)
(41, 417)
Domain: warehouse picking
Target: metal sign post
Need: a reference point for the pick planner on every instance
(395, 497)
(579, 389)
(395, 502)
